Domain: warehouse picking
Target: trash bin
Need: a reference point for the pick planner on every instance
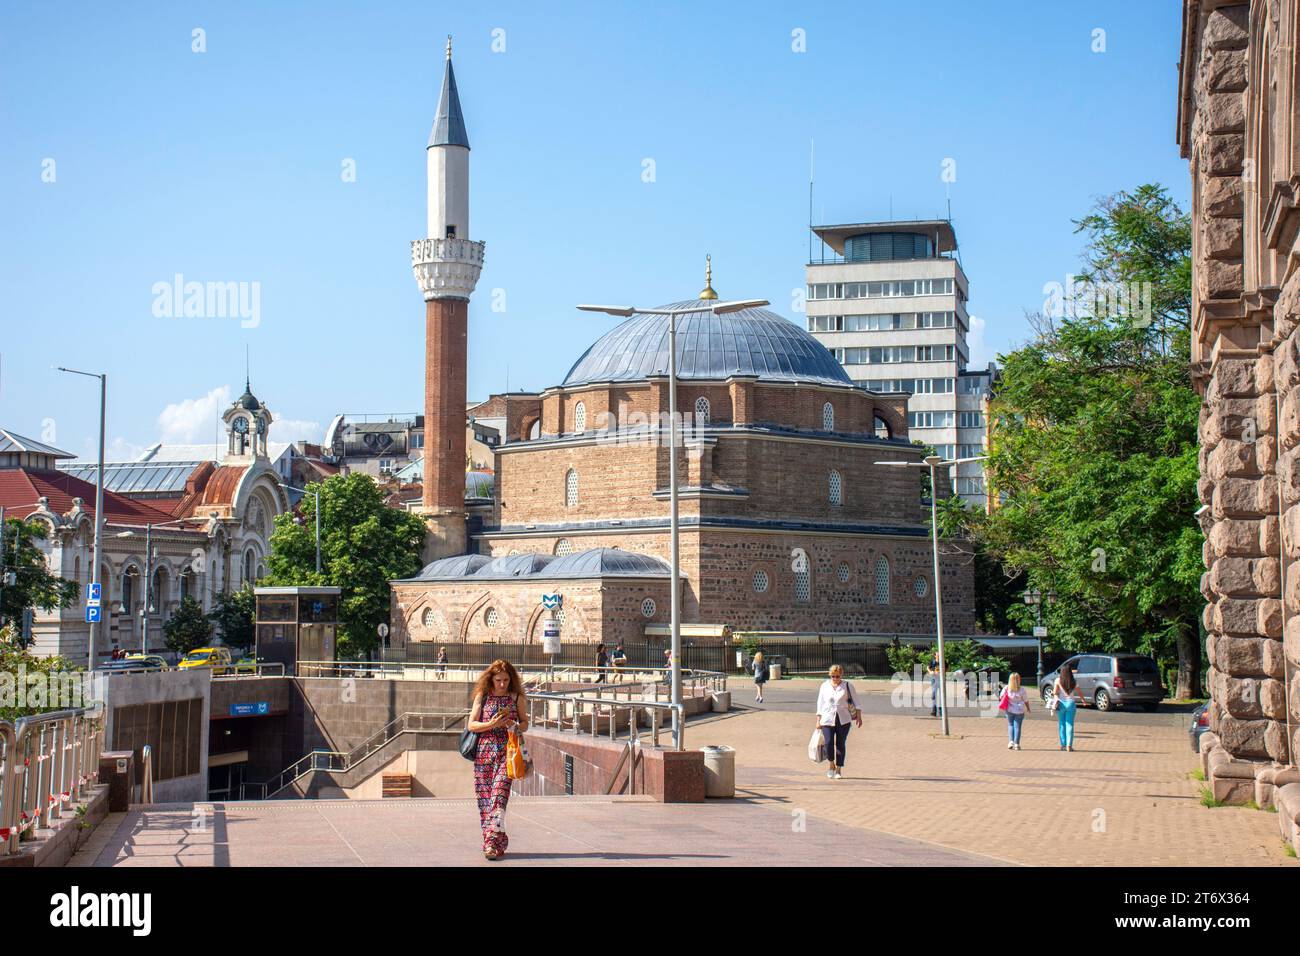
(117, 770)
(719, 772)
(775, 671)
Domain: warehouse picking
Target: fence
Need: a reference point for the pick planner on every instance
(811, 655)
(46, 762)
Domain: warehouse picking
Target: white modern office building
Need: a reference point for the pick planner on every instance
(889, 300)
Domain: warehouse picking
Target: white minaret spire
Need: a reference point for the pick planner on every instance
(448, 164)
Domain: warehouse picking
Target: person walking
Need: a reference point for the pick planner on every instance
(761, 674)
(619, 660)
(836, 708)
(1064, 691)
(441, 661)
(934, 684)
(499, 707)
(1015, 704)
(602, 663)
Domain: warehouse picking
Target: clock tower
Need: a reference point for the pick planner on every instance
(248, 427)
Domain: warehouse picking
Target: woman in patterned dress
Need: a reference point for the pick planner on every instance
(499, 705)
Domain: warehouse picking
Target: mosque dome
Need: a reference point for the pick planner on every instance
(752, 341)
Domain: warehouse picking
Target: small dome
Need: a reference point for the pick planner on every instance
(513, 565)
(607, 563)
(749, 342)
(455, 567)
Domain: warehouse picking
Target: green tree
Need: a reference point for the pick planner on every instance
(17, 663)
(187, 628)
(364, 545)
(232, 616)
(1094, 449)
(35, 586)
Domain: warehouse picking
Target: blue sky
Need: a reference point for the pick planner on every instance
(227, 166)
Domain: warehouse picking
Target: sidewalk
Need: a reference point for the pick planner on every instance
(1124, 797)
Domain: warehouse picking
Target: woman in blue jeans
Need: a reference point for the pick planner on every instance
(836, 711)
(1017, 705)
(1065, 690)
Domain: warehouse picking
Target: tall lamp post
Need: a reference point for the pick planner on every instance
(933, 462)
(626, 311)
(1036, 599)
(99, 494)
(316, 492)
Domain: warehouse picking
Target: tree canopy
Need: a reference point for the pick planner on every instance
(364, 545)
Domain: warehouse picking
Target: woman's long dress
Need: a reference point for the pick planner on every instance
(491, 784)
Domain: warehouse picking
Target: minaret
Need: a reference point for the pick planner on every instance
(447, 266)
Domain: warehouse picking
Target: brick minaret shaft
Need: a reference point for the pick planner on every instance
(447, 266)
(445, 356)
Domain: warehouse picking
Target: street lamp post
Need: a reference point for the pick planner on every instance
(1036, 598)
(933, 462)
(316, 492)
(99, 495)
(674, 604)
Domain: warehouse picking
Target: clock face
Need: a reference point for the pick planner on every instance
(241, 425)
(261, 426)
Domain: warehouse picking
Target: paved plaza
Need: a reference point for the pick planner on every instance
(909, 797)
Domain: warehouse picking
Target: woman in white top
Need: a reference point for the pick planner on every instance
(836, 707)
(1017, 705)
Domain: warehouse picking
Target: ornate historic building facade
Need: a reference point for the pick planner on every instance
(1239, 126)
(208, 524)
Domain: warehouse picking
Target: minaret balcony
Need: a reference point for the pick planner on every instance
(446, 268)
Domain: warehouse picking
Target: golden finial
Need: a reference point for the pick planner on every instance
(448, 46)
(707, 292)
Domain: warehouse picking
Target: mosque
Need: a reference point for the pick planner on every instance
(789, 521)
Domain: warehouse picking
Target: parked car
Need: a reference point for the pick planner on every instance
(153, 661)
(246, 665)
(218, 658)
(1200, 724)
(1112, 680)
(127, 665)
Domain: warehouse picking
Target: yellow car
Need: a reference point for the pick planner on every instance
(218, 658)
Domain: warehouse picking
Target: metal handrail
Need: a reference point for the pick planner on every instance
(696, 678)
(391, 731)
(146, 778)
(599, 707)
(261, 669)
(48, 762)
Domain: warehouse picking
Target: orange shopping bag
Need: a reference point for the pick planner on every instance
(516, 757)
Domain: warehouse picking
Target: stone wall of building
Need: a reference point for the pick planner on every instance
(1236, 126)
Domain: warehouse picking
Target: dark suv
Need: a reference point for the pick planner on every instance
(1112, 680)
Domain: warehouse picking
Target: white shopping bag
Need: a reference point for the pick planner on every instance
(817, 747)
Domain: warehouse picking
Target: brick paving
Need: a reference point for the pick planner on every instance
(548, 831)
(1124, 797)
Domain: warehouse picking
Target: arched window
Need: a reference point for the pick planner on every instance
(128, 591)
(570, 488)
(580, 418)
(882, 428)
(76, 570)
(828, 417)
(535, 430)
(836, 488)
(921, 586)
(802, 583)
(882, 580)
(185, 583)
(701, 411)
(760, 581)
(491, 618)
(843, 572)
(250, 563)
(426, 619)
(648, 607)
(563, 546)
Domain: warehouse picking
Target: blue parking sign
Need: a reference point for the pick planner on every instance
(92, 614)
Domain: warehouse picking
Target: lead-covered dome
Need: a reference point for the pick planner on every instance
(749, 342)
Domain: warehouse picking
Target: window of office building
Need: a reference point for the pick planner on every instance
(825, 323)
(886, 246)
(969, 450)
(970, 419)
